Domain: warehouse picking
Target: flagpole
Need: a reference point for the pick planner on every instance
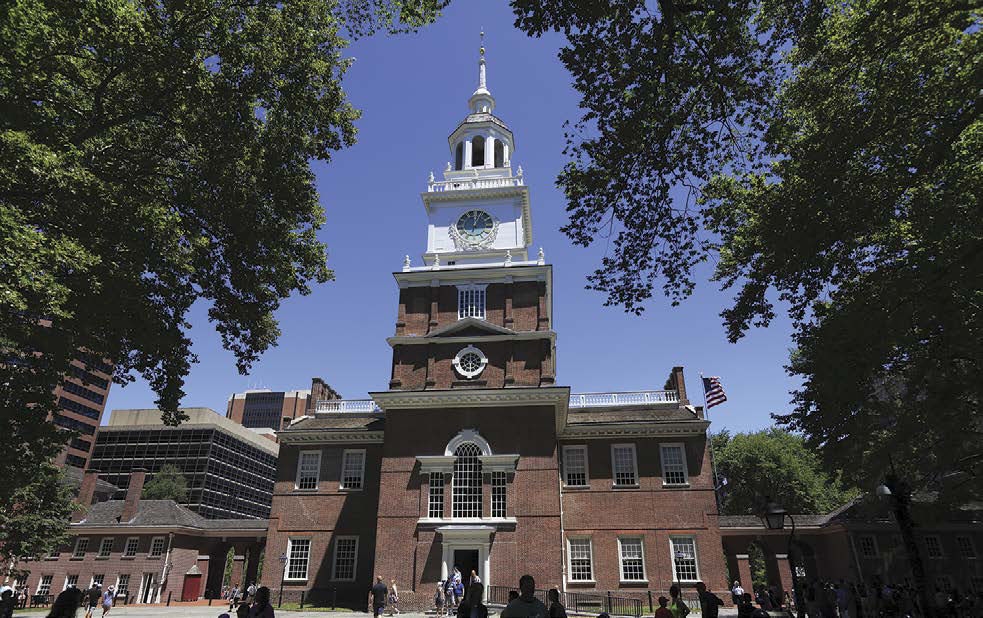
(713, 465)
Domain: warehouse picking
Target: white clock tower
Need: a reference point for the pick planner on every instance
(479, 213)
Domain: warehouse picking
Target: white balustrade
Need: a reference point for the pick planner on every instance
(613, 400)
(347, 405)
(464, 184)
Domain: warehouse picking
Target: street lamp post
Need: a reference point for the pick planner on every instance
(283, 573)
(773, 518)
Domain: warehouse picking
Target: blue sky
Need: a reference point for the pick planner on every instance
(413, 91)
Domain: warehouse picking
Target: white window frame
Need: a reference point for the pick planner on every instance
(672, 557)
(477, 292)
(163, 546)
(361, 473)
(938, 542)
(126, 547)
(81, 547)
(662, 462)
(300, 468)
(971, 555)
(119, 580)
(102, 544)
(69, 576)
(621, 561)
(614, 467)
(590, 549)
(566, 477)
(334, 559)
(465, 373)
(51, 580)
(499, 494)
(435, 496)
(101, 580)
(286, 565)
(873, 543)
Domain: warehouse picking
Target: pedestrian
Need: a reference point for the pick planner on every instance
(393, 597)
(663, 611)
(709, 602)
(107, 600)
(471, 606)
(65, 605)
(242, 611)
(438, 599)
(7, 603)
(377, 596)
(261, 603)
(677, 606)
(474, 577)
(843, 600)
(737, 593)
(233, 597)
(250, 592)
(449, 596)
(556, 609)
(745, 607)
(92, 596)
(527, 605)
(458, 587)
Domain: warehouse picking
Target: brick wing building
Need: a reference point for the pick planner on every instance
(475, 458)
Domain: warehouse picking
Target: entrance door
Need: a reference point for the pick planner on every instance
(147, 588)
(192, 588)
(466, 560)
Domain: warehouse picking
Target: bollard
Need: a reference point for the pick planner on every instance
(169, 597)
(334, 597)
(650, 601)
(302, 599)
(609, 601)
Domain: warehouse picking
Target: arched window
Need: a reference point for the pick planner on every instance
(499, 154)
(478, 152)
(467, 481)
(459, 156)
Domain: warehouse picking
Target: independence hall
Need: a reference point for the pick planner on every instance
(476, 457)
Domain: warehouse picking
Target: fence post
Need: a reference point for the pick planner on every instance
(334, 597)
(169, 593)
(609, 601)
(208, 593)
(650, 601)
(302, 599)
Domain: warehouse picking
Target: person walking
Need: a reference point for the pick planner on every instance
(261, 604)
(458, 587)
(677, 606)
(663, 611)
(556, 609)
(242, 611)
(737, 593)
(527, 605)
(438, 599)
(250, 593)
(233, 597)
(92, 596)
(709, 602)
(471, 606)
(393, 597)
(65, 605)
(7, 603)
(107, 600)
(377, 596)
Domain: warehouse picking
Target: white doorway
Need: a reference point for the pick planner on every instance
(148, 588)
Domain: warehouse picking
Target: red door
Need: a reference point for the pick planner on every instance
(192, 588)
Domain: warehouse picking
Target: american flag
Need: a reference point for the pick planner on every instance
(713, 392)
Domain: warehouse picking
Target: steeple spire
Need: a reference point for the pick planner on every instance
(481, 100)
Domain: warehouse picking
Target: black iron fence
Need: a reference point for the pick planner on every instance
(575, 602)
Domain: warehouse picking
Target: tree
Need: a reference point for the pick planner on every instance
(773, 463)
(154, 153)
(34, 515)
(168, 484)
(824, 156)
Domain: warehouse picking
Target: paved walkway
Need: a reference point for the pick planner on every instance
(199, 611)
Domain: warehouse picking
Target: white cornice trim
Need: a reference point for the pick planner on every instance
(477, 274)
(498, 463)
(473, 397)
(435, 463)
(639, 429)
(82, 529)
(463, 323)
(425, 339)
(313, 436)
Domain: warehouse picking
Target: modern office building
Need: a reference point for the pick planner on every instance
(229, 469)
(81, 399)
(261, 408)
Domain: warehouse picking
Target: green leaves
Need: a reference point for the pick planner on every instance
(34, 514)
(167, 484)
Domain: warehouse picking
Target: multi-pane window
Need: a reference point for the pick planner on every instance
(132, 544)
(623, 463)
(471, 301)
(684, 567)
(933, 547)
(498, 494)
(632, 560)
(98, 578)
(965, 545)
(575, 466)
(71, 581)
(352, 469)
(673, 464)
(308, 469)
(298, 557)
(81, 545)
(105, 547)
(157, 547)
(466, 489)
(868, 547)
(435, 507)
(123, 585)
(345, 556)
(581, 565)
(44, 586)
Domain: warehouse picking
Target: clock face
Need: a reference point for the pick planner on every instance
(475, 226)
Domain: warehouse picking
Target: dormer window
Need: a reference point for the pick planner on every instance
(471, 301)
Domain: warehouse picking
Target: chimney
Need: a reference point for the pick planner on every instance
(320, 391)
(676, 377)
(87, 489)
(132, 501)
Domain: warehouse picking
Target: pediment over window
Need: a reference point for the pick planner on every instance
(470, 327)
